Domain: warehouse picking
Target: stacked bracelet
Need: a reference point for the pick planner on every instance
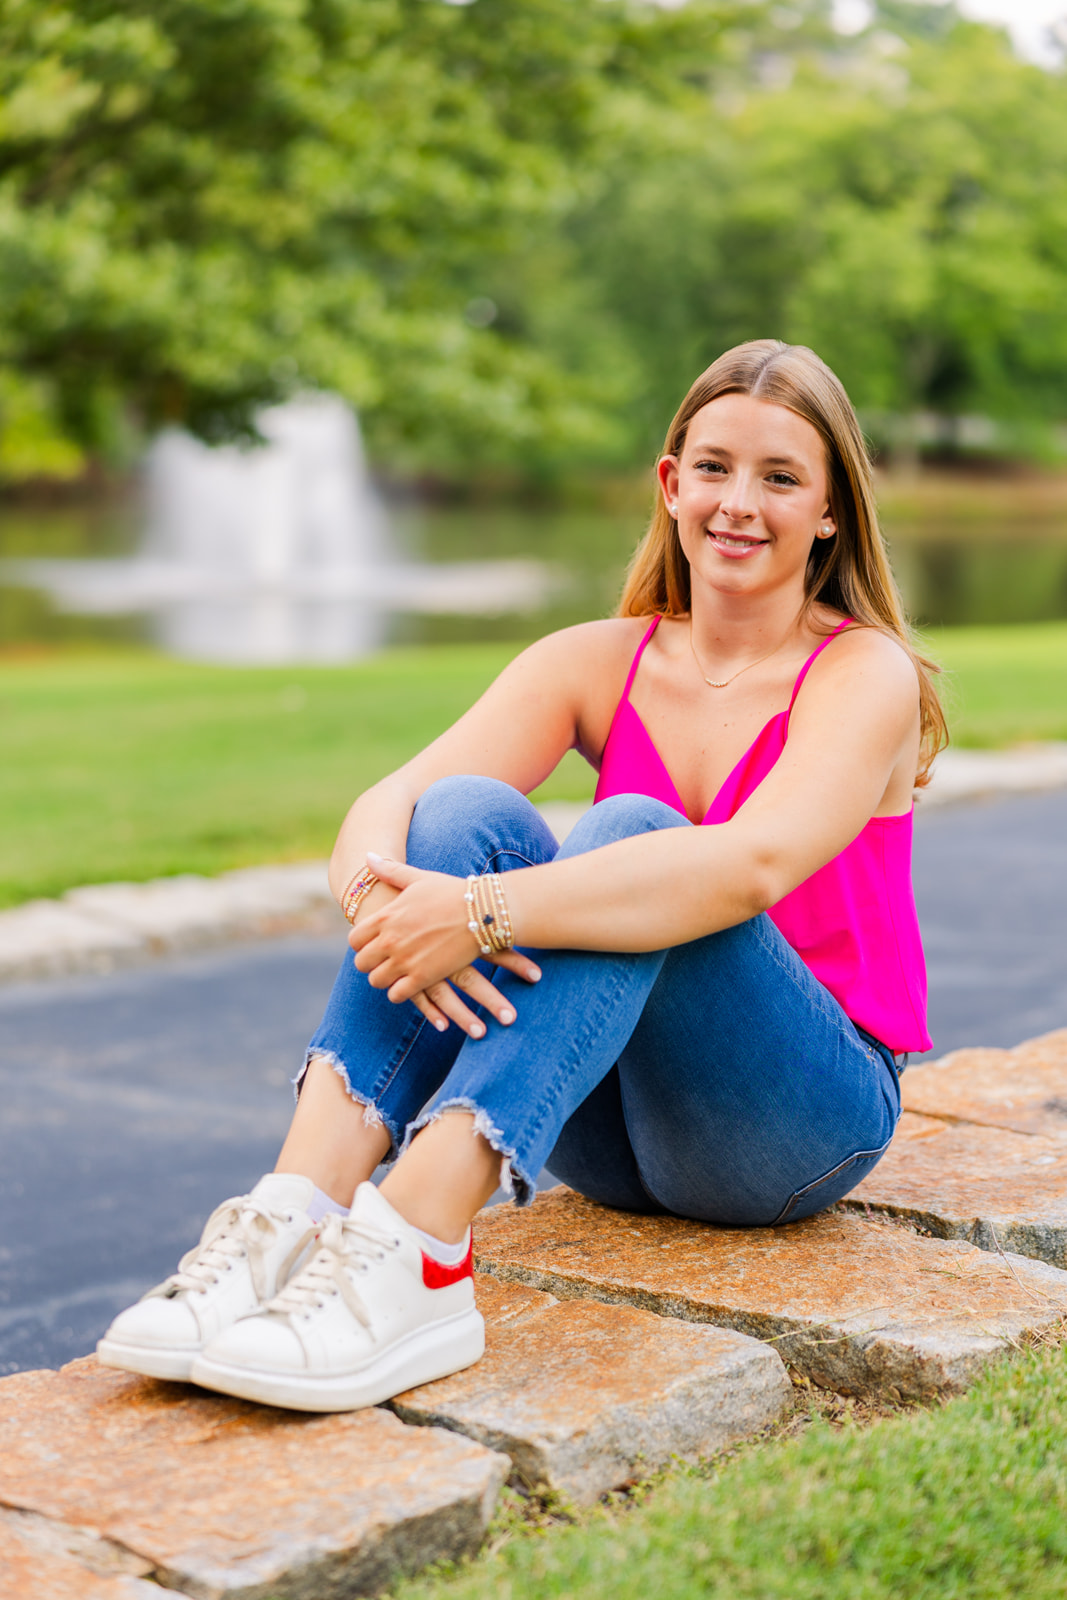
(357, 891)
(488, 912)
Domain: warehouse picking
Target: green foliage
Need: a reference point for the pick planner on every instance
(206, 204)
(899, 204)
(511, 231)
(967, 1501)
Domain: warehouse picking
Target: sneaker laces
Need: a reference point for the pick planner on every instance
(345, 1243)
(243, 1226)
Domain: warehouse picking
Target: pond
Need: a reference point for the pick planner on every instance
(965, 550)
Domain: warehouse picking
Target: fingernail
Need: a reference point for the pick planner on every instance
(507, 1015)
(441, 1026)
(535, 974)
(374, 860)
(477, 1030)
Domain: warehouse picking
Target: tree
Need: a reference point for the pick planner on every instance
(207, 204)
(900, 204)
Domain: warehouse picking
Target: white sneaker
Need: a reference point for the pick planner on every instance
(249, 1247)
(369, 1316)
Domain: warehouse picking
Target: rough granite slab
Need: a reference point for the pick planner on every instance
(224, 1499)
(960, 1180)
(863, 1307)
(1023, 1090)
(981, 1151)
(34, 1566)
(586, 1397)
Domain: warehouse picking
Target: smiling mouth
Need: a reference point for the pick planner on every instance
(734, 541)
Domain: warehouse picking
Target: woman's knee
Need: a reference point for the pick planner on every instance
(621, 816)
(461, 823)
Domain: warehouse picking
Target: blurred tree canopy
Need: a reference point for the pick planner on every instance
(512, 231)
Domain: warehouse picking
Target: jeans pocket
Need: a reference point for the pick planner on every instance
(830, 1186)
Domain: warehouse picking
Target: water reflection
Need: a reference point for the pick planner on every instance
(275, 554)
(965, 551)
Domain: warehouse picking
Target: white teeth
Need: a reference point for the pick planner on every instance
(729, 538)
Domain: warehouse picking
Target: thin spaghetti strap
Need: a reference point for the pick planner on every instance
(636, 662)
(806, 668)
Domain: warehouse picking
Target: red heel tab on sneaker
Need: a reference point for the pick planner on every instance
(436, 1276)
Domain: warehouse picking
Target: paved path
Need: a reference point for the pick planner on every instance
(134, 1102)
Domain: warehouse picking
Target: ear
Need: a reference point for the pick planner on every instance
(667, 473)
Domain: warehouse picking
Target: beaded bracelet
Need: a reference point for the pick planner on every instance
(357, 891)
(488, 911)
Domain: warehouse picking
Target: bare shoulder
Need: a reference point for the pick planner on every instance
(871, 656)
(587, 647)
(862, 673)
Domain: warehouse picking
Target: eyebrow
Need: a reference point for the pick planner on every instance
(768, 461)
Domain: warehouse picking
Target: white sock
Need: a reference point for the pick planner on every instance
(321, 1205)
(447, 1255)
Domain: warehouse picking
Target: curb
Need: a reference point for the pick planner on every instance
(98, 928)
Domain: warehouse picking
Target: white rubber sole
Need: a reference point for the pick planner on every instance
(432, 1351)
(150, 1363)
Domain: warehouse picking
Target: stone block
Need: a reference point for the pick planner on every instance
(37, 1565)
(586, 1397)
(960, 1180)
(863, 1307)
(1023, 1090)
(223, 1499)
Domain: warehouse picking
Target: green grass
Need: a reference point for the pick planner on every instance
(964, 1502)
(1004, 685)
(123, 764)
(126, 765)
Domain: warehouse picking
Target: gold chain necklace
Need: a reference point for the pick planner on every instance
(727, 681)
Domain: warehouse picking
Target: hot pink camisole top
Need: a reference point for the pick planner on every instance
(853, 922)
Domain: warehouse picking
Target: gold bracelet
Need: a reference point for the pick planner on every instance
(358, 890)
(488, 913)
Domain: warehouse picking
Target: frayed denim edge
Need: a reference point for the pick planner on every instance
(372, 1116)
(514, 1182)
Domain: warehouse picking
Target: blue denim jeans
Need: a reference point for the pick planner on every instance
(716, 1080)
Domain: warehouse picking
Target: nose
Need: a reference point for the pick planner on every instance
(738, 503)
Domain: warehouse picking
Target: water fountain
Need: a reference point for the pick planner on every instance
(276, 553)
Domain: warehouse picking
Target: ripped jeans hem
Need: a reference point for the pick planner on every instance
(372, 1114)
(516, 1184)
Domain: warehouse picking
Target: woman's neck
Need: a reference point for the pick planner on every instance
(730, 628)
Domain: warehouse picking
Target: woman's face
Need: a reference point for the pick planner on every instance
(751, 492)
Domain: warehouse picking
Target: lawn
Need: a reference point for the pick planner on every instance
(967, 1501)
(120, 764)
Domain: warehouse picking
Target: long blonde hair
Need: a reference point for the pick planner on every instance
(849, 573)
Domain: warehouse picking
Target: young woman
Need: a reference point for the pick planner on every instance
(697, 1000)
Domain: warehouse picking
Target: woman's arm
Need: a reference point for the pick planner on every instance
(543, 704)
(854, 725)
(538, 708)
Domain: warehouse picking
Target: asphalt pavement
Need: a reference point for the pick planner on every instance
(133, 1103)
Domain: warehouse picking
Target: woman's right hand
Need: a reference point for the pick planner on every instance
(446, 1001)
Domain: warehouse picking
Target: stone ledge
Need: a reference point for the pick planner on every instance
(981, 1150)
(586, 1397)
(36, 1565)
(862, 1307)
(1023, 1090)
(227, 1501)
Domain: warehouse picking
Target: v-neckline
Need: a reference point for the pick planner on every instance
(628, 703)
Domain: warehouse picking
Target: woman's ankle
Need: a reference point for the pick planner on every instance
(444, 1177)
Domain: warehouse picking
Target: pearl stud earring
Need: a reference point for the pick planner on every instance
(674, 511)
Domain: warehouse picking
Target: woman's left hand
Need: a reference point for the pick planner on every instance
(419, 948)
